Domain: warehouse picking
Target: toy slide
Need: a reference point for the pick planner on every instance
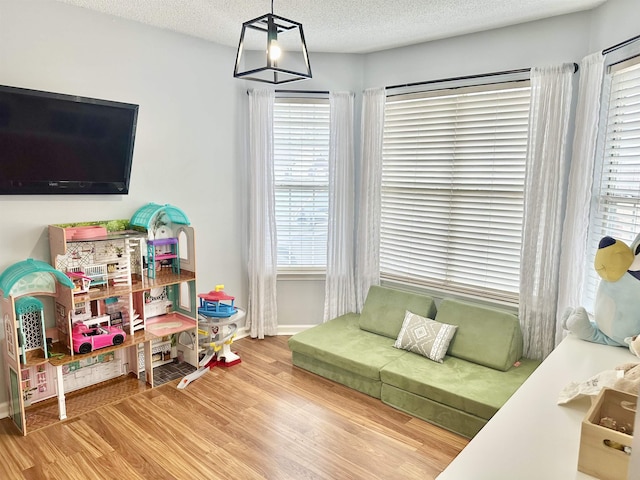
(206, 359)
(191, 377)
(204, 367)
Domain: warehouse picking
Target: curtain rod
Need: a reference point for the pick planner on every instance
(620, 45)
(468, 77)
(317, 92)
(311, 92)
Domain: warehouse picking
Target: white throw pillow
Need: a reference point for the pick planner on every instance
(425, 336)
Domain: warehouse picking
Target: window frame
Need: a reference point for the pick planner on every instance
(437, 89)
(306, 271)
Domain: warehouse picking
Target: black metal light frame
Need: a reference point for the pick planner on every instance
(272, 25)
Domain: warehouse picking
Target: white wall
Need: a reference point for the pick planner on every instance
(545, 42)
(613, 22)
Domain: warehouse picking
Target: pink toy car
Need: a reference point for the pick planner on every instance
(87, 339)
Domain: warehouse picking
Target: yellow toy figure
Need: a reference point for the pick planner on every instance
(617, 304)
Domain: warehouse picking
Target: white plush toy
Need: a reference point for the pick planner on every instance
(617, 304)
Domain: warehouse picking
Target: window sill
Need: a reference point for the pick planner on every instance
(440, 293)
(301, 274)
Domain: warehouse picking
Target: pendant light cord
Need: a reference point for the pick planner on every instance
(271, 7)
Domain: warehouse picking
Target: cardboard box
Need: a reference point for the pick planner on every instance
(605, 452)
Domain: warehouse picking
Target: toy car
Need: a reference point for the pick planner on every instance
(87, 339)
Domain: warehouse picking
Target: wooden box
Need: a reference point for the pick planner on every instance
(604, 452)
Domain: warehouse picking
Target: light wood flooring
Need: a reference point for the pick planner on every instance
(262, 419)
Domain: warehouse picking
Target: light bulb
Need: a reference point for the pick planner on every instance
(274, 50)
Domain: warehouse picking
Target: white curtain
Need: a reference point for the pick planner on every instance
(545, 183)
(576, 221)
(262, 268)
(369, 192)
(340, 297)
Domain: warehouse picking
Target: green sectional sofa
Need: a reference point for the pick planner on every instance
(482, 369)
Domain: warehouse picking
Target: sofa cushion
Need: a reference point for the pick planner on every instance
(384, 309)
(341, 343)
(459, 384)
(462, 423)
(370, 386)
(485, 335)
(425, 336)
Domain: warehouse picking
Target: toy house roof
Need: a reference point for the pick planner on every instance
(144, 216)
(34, 273)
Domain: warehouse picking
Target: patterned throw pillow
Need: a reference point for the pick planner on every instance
(425, 336)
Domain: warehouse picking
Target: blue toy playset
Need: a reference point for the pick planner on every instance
(217, 325)
(211, 304)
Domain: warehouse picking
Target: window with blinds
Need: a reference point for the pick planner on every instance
(301, 176)
(452, 188)
(616, 202)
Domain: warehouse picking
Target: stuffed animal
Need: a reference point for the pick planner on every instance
(617, 303)
(630, 383)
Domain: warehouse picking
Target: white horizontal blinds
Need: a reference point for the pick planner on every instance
(452, 188)
(301, 156)
(616, 211)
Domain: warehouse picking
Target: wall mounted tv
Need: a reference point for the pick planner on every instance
(51, 143)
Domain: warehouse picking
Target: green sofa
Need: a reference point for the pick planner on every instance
(482, 369)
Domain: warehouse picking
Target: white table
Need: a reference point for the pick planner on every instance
(532, 437)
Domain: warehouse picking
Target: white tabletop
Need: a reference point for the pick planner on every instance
(532, 437)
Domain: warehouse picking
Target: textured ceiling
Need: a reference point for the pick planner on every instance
(346, 26)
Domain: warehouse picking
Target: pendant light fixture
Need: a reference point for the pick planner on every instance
(272, 50)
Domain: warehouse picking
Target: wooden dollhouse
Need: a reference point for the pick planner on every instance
(121, 273)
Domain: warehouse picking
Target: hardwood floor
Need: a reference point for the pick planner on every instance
(262, 419)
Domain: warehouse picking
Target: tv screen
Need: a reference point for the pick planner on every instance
(56, 143)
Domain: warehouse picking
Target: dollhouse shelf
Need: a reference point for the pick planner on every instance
(163, 277)
(58, 237)
(168, 324)
(35, 357)
(158, 327)
(138, 337)
(138, 285)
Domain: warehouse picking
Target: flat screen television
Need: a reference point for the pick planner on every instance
(52, 143)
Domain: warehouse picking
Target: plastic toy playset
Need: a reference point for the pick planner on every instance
(217, 326)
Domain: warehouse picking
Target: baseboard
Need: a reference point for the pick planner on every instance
(282, 330)
(4, 409)
(292, 329)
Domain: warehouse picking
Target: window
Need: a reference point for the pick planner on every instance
(301, 158)
(452, 188)
(615, 209)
